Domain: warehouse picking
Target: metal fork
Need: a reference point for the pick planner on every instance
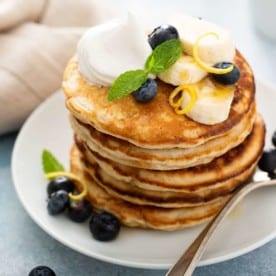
(188, 261)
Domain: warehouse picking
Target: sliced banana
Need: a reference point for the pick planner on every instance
(184, 71)
(211, 49)
(213, 102)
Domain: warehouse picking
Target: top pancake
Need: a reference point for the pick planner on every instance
(155, 124)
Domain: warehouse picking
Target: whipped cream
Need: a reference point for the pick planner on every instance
(107, 50)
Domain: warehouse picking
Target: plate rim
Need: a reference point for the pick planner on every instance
(101, 256)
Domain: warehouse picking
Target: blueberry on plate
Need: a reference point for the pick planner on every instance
(272, 175)
(228, 78)
(267, 162)
(146, 92)
(161, 34)
(79, 211)
(42, 270)
(58, 202)
(60, 183)
(274, 139)
(104, 226)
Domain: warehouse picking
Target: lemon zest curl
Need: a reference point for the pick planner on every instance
(73, 177)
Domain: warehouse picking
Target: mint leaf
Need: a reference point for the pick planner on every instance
(126, 83)
(163, 56)
(50, 163)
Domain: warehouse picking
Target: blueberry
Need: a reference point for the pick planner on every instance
(161, 34)
(272, 175)
(146, 92)
(42, 271)
(80, 211)
(58, 202)
(60, 183)
(228, 78)
(274, 139)
(104, 226)
(267, 162)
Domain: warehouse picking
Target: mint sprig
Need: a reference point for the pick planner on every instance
(50, 162)
(127, 83)
(161, 59)
(163, 56)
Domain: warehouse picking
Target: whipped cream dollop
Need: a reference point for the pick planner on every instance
(107, 50)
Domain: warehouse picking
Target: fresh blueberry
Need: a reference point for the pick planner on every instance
(267, 162)
(161, 34)
(228, 78)
(146, 92)
(60, 183)
(274, 139)
(58, 202)
(80, 211)
(104, 226)
(272, 175)
(42, 271)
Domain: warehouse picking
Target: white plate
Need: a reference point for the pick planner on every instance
(250, 226)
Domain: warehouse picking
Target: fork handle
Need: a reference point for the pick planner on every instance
(188, 261)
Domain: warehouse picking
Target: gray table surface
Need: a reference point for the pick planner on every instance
(24, 245)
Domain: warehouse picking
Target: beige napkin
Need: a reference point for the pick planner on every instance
(37, 38)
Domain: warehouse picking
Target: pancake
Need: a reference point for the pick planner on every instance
(218, 176)
(239, 164)
(153, 125)
(133, 215)
(134, 194)
(128, 154)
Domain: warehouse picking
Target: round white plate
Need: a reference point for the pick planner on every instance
(252, 224)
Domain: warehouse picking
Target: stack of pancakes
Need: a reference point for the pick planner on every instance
(153, 168)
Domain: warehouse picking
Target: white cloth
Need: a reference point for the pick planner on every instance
(37, 38)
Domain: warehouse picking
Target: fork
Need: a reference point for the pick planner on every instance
(187, 262)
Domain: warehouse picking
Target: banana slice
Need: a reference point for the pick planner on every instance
(211, 49)
(184, 71)
(213, 102)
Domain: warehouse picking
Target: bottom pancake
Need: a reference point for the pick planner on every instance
(134, 215)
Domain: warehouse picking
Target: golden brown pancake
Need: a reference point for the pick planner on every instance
(128, 154)
(136, 195)
(155, 124)
(201, 181)
(142, 216)
(237, 166)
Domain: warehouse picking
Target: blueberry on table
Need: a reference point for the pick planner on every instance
(80, 211)
(228, 78)
(42, 271)
(146, 92)
(267, 162)
(104, 226)
(60, 183)
(161, 34)
(274, 139)
(58, 202)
